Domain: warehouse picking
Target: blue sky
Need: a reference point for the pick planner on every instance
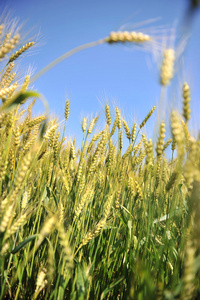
(120, 76)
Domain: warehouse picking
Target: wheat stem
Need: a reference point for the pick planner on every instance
(65, 56)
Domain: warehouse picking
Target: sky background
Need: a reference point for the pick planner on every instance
(118, 75)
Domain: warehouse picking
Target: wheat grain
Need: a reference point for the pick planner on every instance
(128, 151)
(67, 109)
(6, 74)
(167, 144)
(17, 134)
(84, 125)
(108, 117)
(56, 146)
(8, 45)
(3, 169)
(5, 249)
(177, 132)
(8, 91)
(20, 51)
(139, 190)
(9, 80)
(127, 130)
(25, 85)
(6, 218)
(22, 171)
(133, 132)
(120, 36)
(118, 117)
(149, 151)
(41, 282)
(87, 197)
(36, 121)
(186, 102)
(160, 143)
(167, 67)
(121, 140)
(147, 117)
(25, 199)
(189, 271)
(21, 221)
(91, 126)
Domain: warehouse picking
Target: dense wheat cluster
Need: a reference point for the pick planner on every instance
(95, 222)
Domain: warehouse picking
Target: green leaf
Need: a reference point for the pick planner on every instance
(43, 129)
(17, 99)
(176, 212)
(23, 243)
(61, 291)
(123, 219)
(110, 287)
(117, 244)
(80, 281)
(21, 97)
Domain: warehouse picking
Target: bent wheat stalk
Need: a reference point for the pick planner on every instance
(114, 37)
(63, 57)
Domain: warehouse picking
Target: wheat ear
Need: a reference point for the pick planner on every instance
(20, 51)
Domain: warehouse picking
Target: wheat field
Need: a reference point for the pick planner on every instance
(99, 221)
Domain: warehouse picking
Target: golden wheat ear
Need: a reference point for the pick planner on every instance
(19, 52)
(131, 37)
(167, 67)
(186, 102)
(8, 44)
(147, 117)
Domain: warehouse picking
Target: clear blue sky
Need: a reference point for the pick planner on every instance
(118, 75)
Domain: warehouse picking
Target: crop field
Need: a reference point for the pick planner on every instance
(96, 221)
